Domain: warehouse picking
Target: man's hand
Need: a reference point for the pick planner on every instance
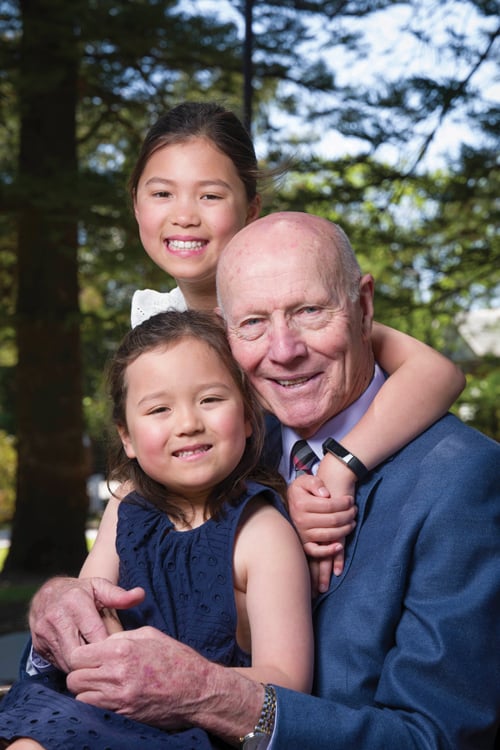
(135, 673)
(150, 677)
(65, 613)
(323, 520)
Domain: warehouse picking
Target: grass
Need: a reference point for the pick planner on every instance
(18, 594)
(15, 597)
(13, 594)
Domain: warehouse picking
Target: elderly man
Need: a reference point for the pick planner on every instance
(407, 649)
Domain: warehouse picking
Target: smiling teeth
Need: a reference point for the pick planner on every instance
(185, 244)
(184, 454)
(288, 383)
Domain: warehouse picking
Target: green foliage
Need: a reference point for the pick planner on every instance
(479, 405)
(8, 464)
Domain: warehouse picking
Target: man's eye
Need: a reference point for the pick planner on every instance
(251, 322)
(310, 310)
(312, 316)
(251, 328)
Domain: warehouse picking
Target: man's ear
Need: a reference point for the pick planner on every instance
(366, 292)
(126, 442)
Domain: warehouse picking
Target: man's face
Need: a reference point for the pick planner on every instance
(305, 347)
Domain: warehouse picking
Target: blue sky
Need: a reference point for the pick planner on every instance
(393, 50)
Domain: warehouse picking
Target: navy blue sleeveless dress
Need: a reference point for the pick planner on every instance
(188, 581)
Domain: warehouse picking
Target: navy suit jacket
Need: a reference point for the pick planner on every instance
(408, 637)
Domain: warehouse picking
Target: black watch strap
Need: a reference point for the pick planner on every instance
(356, 466)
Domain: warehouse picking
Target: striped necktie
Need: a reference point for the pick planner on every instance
(303, 458)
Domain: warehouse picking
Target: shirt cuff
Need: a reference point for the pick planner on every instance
(36, 664)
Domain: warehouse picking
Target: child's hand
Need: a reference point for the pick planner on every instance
(321, 568)
(322, 521)
(341, 483)
(111, 620)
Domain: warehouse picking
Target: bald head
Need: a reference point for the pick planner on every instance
(274, 239)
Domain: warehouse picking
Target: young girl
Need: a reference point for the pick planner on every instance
(208, 542)
(194, 186)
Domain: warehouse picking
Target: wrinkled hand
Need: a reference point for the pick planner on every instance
(322, 521)
(65, 613)
(143, 674)
(150, 677)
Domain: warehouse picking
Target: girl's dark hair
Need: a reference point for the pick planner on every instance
(160, 331)
(202, 119)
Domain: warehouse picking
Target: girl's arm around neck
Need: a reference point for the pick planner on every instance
(422, 386)
(272, 590)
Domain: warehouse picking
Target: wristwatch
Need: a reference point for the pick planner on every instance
(356, 466)
(255, 741)
(260, 737)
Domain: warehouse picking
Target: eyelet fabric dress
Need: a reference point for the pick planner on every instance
(188, 579)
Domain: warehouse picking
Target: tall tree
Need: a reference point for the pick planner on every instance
(83, 68)
(51, 502)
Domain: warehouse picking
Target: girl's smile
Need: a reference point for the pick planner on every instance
(190, 202)
(194, 452)
(185, 248)
(185, 418)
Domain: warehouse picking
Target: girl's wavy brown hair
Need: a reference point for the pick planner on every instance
(160, 332)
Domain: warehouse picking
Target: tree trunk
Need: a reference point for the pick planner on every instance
(48, 533)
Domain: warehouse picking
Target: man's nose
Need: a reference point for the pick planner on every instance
(285, 342)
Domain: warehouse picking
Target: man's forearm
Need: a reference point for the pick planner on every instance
(230, 706)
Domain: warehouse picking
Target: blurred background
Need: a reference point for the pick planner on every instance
(387, 114)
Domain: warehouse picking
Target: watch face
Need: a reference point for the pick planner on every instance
(256, 741)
